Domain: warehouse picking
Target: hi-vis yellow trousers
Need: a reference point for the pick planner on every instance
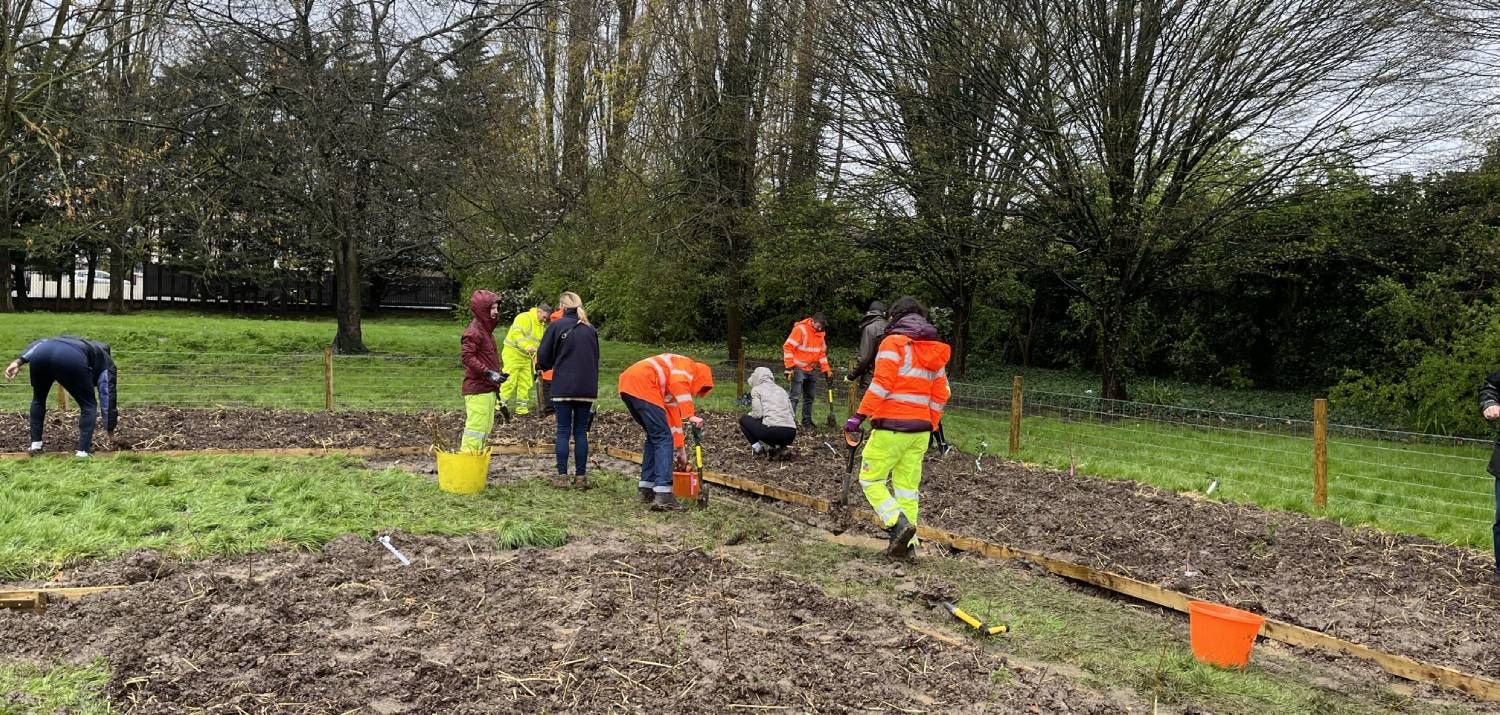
(897, 455)
(479, 418)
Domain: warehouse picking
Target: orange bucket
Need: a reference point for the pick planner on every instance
(685, 485)
(1221, 635)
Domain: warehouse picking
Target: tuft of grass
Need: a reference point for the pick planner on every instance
(74, 689)
(521, 533)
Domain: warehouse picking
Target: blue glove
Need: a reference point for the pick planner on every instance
(853, 424)
(494, 377)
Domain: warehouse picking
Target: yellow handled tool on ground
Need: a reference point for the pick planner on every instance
(828, 380)
(698, 462)
(978, 625)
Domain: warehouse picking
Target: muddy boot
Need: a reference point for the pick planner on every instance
(646, 495)
(666, 502)
(581, 484)
(901, 534)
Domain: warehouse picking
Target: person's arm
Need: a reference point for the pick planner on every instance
(867, 344)
(109, 399)
(514, 337)
(1489, 396)
(757, 406)
(546, 351)
(14, 368)
(886, 366)
(792, 342)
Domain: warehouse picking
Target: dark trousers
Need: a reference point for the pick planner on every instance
(573, 421)
(67, 366)
(756, 431)
(1495, 531)
(656, 455)
(547, 406)
(804, 386)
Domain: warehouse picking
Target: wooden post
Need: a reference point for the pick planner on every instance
(739, 374)
(1320, 453)
(1015, 416)
(62, 398)
(328, 378)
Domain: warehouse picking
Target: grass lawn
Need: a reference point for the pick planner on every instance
(57, 512)
(187, 359)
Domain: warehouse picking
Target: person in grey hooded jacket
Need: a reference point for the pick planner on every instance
(871, 332)
(771, 425)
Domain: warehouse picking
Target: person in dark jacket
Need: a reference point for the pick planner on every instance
(871, 331)
(1489, 405)
(482, 375)
(570, 349)
(81, 366)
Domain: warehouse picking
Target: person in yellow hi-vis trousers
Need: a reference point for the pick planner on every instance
(521, 342)
(904, 404)
(482, 376)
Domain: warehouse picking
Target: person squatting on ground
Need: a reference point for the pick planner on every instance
(805, 349)
(771, 425)
(659, 393)
(545, 376)
(80, 366)
(482, 376)
(1489, 404)
(904, 405)
(520, 345)
(871, 331)
(570, 352)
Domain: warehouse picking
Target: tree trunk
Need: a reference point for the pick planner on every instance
(88, 287)
(117, 279)
(575, 119)
(6, 304)
(963, 318)
(349, 340)
(18, 280)
(1113, 332)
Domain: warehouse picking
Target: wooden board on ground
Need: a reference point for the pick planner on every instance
(37, 598)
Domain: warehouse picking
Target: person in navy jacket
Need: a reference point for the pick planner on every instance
(81, 366)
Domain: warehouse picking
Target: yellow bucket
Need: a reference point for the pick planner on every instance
(463, 472)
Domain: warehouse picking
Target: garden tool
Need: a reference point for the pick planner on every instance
(980, 626)
(853, 440)
(504, 411)
(942, 443)
(828, 379)
(536, 384)
(698, 461)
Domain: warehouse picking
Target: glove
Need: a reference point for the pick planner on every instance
(853, 424)
(788, 375)
(494, 377)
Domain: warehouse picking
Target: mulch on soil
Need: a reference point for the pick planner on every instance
(1404, 594)
(597, 625)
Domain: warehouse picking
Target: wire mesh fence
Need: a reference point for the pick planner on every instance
(1426, 484)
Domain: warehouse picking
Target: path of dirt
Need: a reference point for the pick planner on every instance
(1404, 594)
(598, 625)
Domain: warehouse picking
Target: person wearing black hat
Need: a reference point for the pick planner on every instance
(871, 331)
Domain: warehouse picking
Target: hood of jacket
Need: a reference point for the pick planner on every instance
(913, 326)
(761, 376)
(480, 304)
(870, 317)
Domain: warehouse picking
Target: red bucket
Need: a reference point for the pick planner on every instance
(1221, 635)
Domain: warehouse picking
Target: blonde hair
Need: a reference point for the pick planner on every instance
(569, 299)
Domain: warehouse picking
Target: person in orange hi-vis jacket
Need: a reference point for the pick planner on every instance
(546, 388)
(659, 393)
(804, 351)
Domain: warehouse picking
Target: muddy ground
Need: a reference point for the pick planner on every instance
(1404, 594)
(598, 625)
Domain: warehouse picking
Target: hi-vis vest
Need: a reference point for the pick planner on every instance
(910, 382)
(669, 382)
(805, 347)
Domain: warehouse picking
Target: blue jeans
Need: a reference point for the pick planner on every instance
(656, 455)
(573, 420)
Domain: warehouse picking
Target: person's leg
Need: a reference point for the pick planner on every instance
(41, 387)
(809, 396)
(906, 477)
(882, 453)
(564, 412)
(794, 391)
(514, 363)
(479, 418)
(648, 457)
(524, 381)
(583, 417)
(752, 428)
(659, 440)
(779, 436)
(71, 370)
(548, 406)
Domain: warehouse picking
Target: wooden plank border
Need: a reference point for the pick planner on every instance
(500, 449)
(1282, 631)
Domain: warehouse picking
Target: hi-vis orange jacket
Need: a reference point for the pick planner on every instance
(910, 387)
(556, 316)
(805, 347)
(670, 382)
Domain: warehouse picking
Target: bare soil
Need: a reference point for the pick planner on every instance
(1404, 594)
(601, 624)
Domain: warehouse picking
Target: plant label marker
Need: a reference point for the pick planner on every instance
(386, 542)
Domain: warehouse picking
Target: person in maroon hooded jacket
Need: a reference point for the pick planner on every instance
(482, 375)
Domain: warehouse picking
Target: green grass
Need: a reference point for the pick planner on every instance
(73, 689)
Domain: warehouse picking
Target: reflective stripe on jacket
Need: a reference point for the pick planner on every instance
(670, 382)
(910, 387)
(805, 347)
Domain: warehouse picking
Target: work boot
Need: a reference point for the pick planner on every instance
(647, 495)
(665, 501)
(901, 534)
(807, 425)
(757, 449)
(581, 483)
(36, 448)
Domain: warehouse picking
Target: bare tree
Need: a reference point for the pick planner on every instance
(1158, 122)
